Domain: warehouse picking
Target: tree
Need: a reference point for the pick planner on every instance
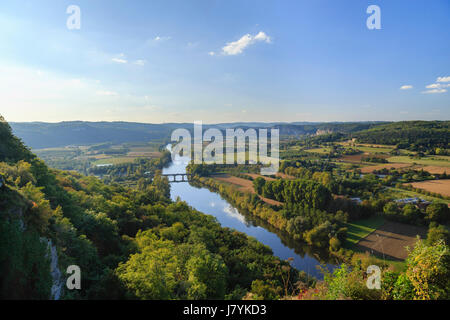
(162, 184)
(428, 269)
(438, 212)
(258, 184)
(335, 244)
(319, 236)
(391, 210)
(411, 213)
(297, 226)
(24, 263)
(436, 233)
(207, 275)
(151, 274)
(264, 291)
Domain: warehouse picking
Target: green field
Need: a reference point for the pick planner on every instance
(374, 149)
(319, 150)
(440, 161)
(114, 160)
(362, 228)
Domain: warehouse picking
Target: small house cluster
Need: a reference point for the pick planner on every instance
(421, 203)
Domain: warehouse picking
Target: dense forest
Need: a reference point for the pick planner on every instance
(129, 243)
(425, 136)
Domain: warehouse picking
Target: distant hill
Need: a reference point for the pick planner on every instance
(46, 135)
(38, 135)
(413, 135)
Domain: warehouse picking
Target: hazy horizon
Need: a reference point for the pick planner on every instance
(218, 123)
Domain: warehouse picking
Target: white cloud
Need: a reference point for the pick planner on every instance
(261, 36)
(237, 47)
(443, 79)
(406, 87)
(437, 86)
(211, 53)
(119, 60)
(159, 38)
(140, 62)
(434, 91)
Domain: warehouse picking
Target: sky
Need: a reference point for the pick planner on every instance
(216, 61)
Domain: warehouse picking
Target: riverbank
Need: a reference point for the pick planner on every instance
(302, 257)
(274, 220)
(251, 204)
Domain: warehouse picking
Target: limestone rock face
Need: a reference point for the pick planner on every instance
(57, 285)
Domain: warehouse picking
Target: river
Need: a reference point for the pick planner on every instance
(304, 257)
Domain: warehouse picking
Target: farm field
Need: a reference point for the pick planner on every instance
(82, 157)
(370, 169)
(353, 158)
(129, 158)
(318, 150)
(435, 169)
(360, 229)
(440, 161)
(437, 186)
(374, 150)
(245, 186)
(390, 240)
(113, 160)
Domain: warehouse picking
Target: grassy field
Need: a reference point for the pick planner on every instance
(362, 228)
(114, 160)
(441, 161)
(374, 149)
(319, 150)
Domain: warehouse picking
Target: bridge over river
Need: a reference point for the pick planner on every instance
(178, 177)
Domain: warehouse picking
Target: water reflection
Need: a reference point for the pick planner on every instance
(283, 246)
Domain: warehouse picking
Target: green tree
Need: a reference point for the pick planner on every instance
(437, 233)
(207, 275)
(438, 212)
(428, 269)
(258, 184)
(411, 213)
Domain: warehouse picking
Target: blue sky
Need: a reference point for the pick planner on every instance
(221, 61)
